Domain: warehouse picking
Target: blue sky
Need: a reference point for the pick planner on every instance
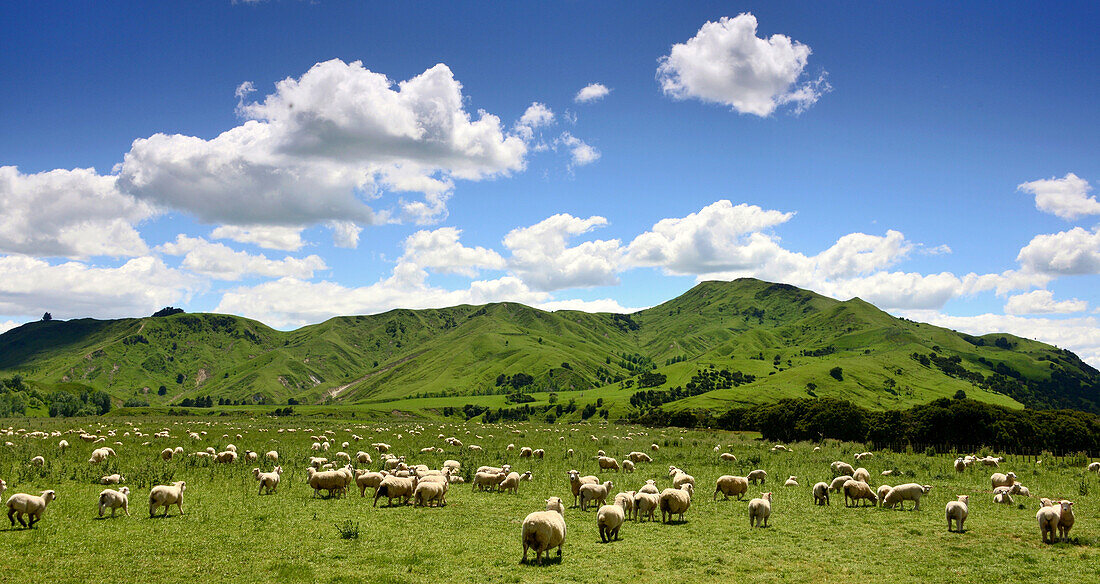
(291, 161)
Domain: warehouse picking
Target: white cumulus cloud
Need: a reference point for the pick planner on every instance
(1066, 197)
(1042, 302)
(441, 251)
(266, 236)
(726, 63)
(220, 262)
(542, 258)
(591, 92)
(580, 152)
(1072, 252)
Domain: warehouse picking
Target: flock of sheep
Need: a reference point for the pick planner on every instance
(542, 530)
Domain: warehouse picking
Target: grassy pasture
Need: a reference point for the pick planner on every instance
(228, 533)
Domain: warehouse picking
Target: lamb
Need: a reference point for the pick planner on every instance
(38, 461)
(511, 481)
(333, 481)
(675, 502)
(759, 511)
(907, 492)
(395, 488)
(861, 474)
(645, 504)
(791, 482)
(99, 455)
(1066, 520)
(628, 466)
(1003, 498)
(166, 496)
(609, 518)
(882, 491)
(113, 479)
(251, 456)
(426, 492)
(757, 476)
(731, 485)
(842, 468)
(490, 480)
(608, 463)
(538, 453)
(364, 479)
(957, 511)
(21, 504)
(1002, 480)
(576, 481)
(858, 490)
(543, 530)
(1048, 518)
(626, 501)
(590, 492)
(268, 480)
(113, 500)
(821, 494)
(838, 483)
(650, 486)
(1018, 489)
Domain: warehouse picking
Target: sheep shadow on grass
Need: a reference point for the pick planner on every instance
(548, 560)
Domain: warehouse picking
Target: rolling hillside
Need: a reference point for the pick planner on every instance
(774, 340)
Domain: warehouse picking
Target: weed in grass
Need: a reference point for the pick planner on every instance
(348, 529)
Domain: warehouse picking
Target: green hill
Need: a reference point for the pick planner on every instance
(773, 341)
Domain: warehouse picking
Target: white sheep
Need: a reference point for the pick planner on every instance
(3, 487)
(628, 466)
(626, 501)
(861, 474)
(333, 481)
(114, 500)
(1094, 467)
(395, 488)
(882, 491)
(759, 510)
(821, 493)
(1048, 518)
(1003, 498)
(21, 504)
(1018, 489)
(639, 457)
(576, 481)
(542, 531)
(113, 479)
(268, 480)
(757, 476)
(838, 483)
(166, 496)
(645, 504)
(490, 480)
(607, 463)
(840, 467)
(609, 518)
(273, 456)
(167, 454)
(858, 491)
(726, 456)
(427, 492)
(730, 485)
(38, 461)
(650, 486)
(907, 492)
(791, 481)
(555, 504)
(598, 493)
(63, 445)
(1002, 480)
(1065, 520)
(957, 511)
(511, 481)
(364, 479)
(675, 502)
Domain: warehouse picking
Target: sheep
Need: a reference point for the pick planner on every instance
(511, 481)
(268, 480)
(882, 491)
(1002, 480)
(251, 456)
(650, 486)
(1066, 520)
(38, 461)
(626, 501)
(639, 457)
(608, 463)
(364, 479)
(272, 456)
(332, 481)
(907, 492)
(862, 455)
(838, 483)
(821, 493)
(555, 504)
(569, 453)
(538, 453)
(628, 466)
(113, 500)
(591, 492)
(21, 504)
(609, 518)
(757, 476)
(317, 461)
(957, 511)
(166, 496)
(1003, 498)
(1094, 467)
(99, 455)
(645, 504)
(167, 454)
(886, 473)
(1018, 489)
(113, 479)
(861, 474)
(1048, 518)
(726, 456)
(676, 501)
(487, 479)
(841, 468)
(991, 461)
(63, 445)
(960, 465)
(600, 453)
(730, 485)
(226, 457)
(426, 492)
(393, 487)
(525, 452)
(541, 531)
(3, 487)
(654, 447)
(453, 465)
(858, 490)
(759, 510)
(576, 481)
(792, 481)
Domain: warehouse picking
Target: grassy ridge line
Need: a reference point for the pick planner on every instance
(741, 325)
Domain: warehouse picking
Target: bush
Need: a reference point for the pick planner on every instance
(837, 373)
(348, 529)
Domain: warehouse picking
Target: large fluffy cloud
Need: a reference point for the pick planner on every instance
(726, 63)
(1072, 252)
(322, 145)
(542, 258)
(69, 213)
(441, 251)
(1066, 197)
(29, 287)
(266, 236)
(1043, 302)
(220, 262)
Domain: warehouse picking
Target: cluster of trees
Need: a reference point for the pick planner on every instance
(702, 381)
(88, 403)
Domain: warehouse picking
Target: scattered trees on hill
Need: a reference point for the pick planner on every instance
(167, 311)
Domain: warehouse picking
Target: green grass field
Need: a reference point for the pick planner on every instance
(228, 533)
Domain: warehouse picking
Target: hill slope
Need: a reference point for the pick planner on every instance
(775, 340)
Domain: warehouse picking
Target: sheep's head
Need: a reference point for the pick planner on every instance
(50, 495)
(125, 491)
(1011, 475)
(1067, 506)
(964, 499)
(926, 488)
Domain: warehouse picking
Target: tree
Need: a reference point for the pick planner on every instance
(837, 373)
(960, 394)
(552, 398)
(167, 311)
(47, 317)
(162, 390)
